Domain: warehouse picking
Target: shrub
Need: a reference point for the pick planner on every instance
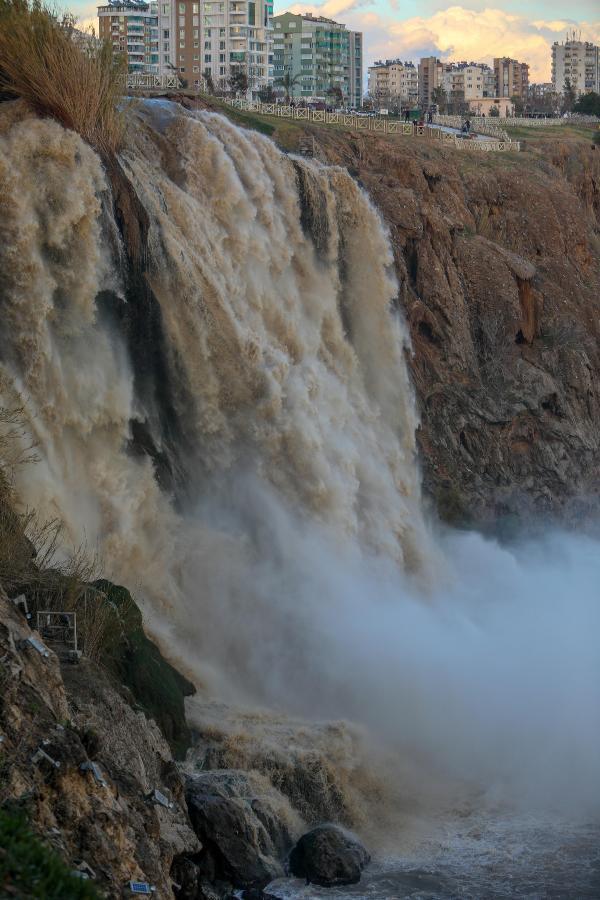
(75, 82)
(30, 870)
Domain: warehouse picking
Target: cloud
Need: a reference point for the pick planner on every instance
(454, 33)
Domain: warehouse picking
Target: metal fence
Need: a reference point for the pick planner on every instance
(145, 82)
(377, 124)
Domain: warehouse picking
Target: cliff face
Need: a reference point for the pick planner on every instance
(498, 260)
(76, 716)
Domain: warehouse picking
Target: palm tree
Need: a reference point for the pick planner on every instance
(288, 82)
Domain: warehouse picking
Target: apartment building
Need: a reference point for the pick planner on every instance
(207, 38)
(393, 81)
(429, 76)
(319, 55)
(511, 77)
(579, 62)
(133, 30)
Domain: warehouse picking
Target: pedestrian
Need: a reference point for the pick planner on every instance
(407, 115)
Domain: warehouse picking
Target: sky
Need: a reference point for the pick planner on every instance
(474, 30)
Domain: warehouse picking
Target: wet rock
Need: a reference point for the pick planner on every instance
(329, 856)
(244, 839)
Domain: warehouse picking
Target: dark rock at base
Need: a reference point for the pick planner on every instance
(329, 856)
(243, 838)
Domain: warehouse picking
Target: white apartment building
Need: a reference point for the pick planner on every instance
(132, 29)
(194, 38)
(393, 81)
(579, 62)
(319, 55)
(464, 81)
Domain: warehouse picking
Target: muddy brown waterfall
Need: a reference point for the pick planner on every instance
(245, 329)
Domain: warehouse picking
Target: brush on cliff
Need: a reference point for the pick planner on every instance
(75, 82)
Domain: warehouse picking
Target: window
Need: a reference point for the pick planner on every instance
(207, 57)
(182, 45)
(196, 43)
(166, 46)
(195, 8)
(196, 35)
(197, 56)
(182, 34)
(182, 7)
(195, 68)
(166, 34)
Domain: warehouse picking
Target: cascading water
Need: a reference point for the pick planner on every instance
(237, 440)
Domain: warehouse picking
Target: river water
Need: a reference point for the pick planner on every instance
(500, 856)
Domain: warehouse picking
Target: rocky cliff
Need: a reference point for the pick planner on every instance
(82, 764)
(498, 259)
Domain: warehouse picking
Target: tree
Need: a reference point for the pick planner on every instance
(238, 81)
(288, 83)
(568, 96)
(267, 94)
(439, 97)
(210, 85)
(495, 112)
(588, 104)
(335, 92)
(518, 105)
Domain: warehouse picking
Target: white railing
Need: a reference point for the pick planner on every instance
(495, 121)
(146, 81)
(379, 124)
(480, 125)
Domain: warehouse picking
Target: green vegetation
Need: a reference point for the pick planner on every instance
(138, 664)
(30, 870)
(588, 104)
(60, 73)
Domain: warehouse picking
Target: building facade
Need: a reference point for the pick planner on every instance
(492, 106)
(132, 29)
(319, 56)
(393, 82)
(577, 62)
(196, 39)
(430, 75)
(511, 77)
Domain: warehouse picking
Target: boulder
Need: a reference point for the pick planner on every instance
(329, 856)
(243, 836)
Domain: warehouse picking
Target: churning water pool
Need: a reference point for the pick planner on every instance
(476, 857)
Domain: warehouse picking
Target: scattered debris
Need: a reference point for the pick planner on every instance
(157, 797)
(141, 887)
(36, 644)
(21, 603)
(40, 754)
(94, 768)
(84, 870)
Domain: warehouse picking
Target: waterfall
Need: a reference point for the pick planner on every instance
(221, 408)
(280, 346)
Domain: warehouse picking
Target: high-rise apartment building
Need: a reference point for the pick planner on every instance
(393, 81)
(194, 38)
(319, 56)
(132, 29)
(512, 78)
(577, 62)
(430, 75)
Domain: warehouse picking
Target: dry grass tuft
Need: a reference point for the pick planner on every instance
(74, 81)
